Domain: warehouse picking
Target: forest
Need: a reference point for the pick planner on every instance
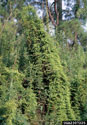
(43, 61)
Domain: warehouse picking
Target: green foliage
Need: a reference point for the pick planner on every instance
(74, 62)
(8, 43)
(70, 28)
(42, 80)
(46, 73)
(82, 11)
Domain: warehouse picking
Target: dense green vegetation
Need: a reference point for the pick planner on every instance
(43, 78)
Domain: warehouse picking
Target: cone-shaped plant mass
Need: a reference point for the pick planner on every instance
(49, 81)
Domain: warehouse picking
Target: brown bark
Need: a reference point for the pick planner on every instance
(57, 13)
(51, 17)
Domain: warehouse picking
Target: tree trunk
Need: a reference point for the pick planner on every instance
(59, 8)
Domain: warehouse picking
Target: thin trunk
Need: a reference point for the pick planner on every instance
(59, 8)
(51, 17)
(57, 12)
